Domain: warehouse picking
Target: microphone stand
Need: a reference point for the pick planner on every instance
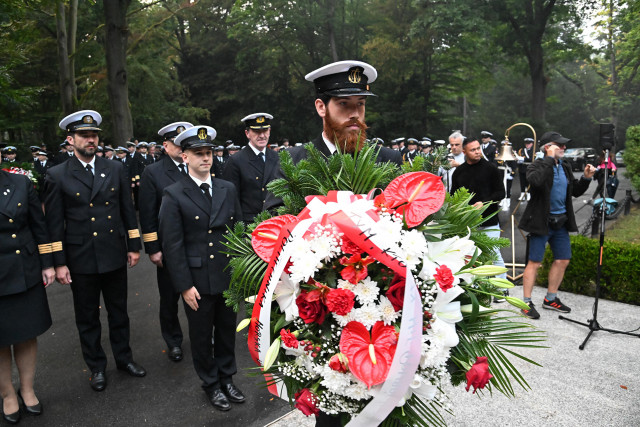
(593, 324)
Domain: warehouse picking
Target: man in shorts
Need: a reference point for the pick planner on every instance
(549, 218)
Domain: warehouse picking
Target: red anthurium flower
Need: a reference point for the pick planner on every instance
(369, 356)
(444, 278)
(265, 237)
(478, 376)
(416, 195)
(356, 268)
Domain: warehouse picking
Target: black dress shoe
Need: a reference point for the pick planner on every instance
(233, 393)
(175, 354)
(219, 400)
(31, 410)
(98, 381)
(133, 369)
(13, 418)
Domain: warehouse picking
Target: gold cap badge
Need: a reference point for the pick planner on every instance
(202, 133)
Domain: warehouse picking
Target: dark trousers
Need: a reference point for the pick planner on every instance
(326, 420)
(523, 179)
(218, 369)
(169, 322)
(86, 290)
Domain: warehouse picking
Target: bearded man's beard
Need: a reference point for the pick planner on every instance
(347, 140)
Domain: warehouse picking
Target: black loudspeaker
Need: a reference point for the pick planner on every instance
(607, 136)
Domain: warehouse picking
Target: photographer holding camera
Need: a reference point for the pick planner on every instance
(549, 218)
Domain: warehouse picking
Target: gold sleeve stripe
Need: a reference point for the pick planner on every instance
(150, 237)
(45, 248)
(134, 234)
(56, 246)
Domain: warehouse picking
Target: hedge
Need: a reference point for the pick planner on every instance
(620, 269)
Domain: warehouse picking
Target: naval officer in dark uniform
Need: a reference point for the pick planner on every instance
(95, 235)
(155, 178)
(194, 217)
(253, 167)
(342, 89)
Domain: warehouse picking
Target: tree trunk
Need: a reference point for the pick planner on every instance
(331, 6)
(115, 12)
(614, 72)
(66, 83)
(71, 47)
(538, 84)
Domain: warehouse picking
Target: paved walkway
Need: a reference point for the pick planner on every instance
(597, 386)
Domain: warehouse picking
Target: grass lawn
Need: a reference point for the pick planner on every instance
(626, 228)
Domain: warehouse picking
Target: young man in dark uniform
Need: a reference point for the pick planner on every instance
(95, 236)
(253, 167)
(194, 217)
(154, 180)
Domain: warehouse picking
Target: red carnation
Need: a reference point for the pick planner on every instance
(356, 268)
(306, 402)
(310, 307)
(396, 292)
(340, 301)
(288, 338)
(444, 278)
(478, 376)
(338, 362)
(348, 247)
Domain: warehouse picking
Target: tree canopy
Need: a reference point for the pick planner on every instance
(442, 64)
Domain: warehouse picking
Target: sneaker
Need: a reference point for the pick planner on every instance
(501, 299)
(556, 304)
(532, 313)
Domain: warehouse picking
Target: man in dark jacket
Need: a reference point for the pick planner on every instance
(95, 235)
(194, 217)
(549, 217)
(155, 178)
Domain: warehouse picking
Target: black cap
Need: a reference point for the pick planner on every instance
(196, 137)
(343, 78)
(553, 137)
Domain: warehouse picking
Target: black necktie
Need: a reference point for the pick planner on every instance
(183, 170)
(261, 155)
(89, 169)
(205, 190)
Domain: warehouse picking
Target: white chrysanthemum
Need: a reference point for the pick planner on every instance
(414, 243)
(323, 246)
(366, 291)
(367, 315)
(357, 391)
(389, 314)
(434, 353)
(333, 380)
(343, 320)
(303, 267)
(387, 232)
(345, 284)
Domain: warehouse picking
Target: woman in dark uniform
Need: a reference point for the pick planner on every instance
(26, 264)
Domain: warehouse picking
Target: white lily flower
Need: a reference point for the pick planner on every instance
(444, 325)
(450, 252)
(285, 294)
